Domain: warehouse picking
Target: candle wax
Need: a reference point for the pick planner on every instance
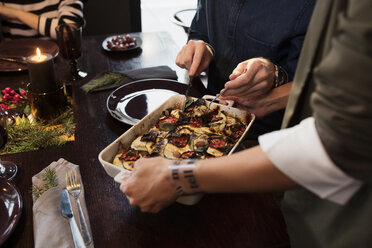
(38, 58)
(41, 73)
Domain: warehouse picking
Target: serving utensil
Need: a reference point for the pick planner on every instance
(221, 92)
(66, 211)
(74, 188)
(214, 99)
(187, 92)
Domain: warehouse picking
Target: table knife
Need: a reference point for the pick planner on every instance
(66, 210)
(187, 92)
(21, 60)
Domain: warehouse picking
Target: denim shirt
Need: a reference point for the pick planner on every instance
(242, 29)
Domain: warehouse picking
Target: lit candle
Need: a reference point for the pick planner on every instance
(39, 57)
(41, 72)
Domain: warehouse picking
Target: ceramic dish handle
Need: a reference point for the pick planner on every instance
(119, 177)
(230, 103)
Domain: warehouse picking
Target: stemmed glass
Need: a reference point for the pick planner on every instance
(7, 169)
(69, 37)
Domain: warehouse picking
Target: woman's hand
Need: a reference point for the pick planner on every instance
(250, 84)
(195, 57)
(149, 185)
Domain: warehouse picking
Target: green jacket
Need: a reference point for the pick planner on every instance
(333, 83)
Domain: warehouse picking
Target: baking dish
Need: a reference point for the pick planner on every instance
(107, 155)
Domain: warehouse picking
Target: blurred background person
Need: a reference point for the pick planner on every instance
(22, 18)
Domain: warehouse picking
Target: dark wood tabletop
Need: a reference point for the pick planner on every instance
(218, 220)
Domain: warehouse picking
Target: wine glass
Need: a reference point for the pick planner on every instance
(7, 169)
(69, 36)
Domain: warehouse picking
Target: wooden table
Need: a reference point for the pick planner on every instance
(220, 220)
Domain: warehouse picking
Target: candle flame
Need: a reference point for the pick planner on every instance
(38, 53)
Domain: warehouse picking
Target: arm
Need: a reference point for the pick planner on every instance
(196, 55)
(198, 27)
(282, 161)
(27, 18)
(69, 11)
(246, 172)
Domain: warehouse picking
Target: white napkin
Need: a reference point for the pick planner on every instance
(51, 229)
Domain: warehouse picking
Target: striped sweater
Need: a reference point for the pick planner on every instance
(51, 13)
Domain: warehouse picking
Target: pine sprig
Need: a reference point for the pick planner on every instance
(25, 135)
(50, 181)
(104, 79)
(50, 178)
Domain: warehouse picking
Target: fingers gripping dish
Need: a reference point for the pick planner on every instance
(194, 133)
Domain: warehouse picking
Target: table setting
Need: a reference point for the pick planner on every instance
(49, 205)
(40, 110)
(87, 101)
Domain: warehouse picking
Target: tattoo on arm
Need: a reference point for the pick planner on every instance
(183, 176)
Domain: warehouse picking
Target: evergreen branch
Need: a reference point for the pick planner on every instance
(50, 181)
(25, 135)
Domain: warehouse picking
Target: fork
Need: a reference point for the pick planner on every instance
(73, 187)
(221, 92)
(214, 99)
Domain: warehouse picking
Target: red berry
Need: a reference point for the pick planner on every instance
(23, 93)
(4, 106)
(16, 97)
(3, 91)
(15, 101)
(7, 89)
(12, 92)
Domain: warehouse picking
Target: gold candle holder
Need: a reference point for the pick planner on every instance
(47, 105)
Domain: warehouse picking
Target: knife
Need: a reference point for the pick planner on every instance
(187, 92)
(66, 210)
(21, 60)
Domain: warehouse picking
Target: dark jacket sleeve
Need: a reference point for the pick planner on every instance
(342, 102)
(297, 38)
(198, 29)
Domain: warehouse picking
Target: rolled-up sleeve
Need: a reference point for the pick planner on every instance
(299, 154)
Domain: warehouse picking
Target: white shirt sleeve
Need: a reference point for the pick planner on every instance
(299, 153)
